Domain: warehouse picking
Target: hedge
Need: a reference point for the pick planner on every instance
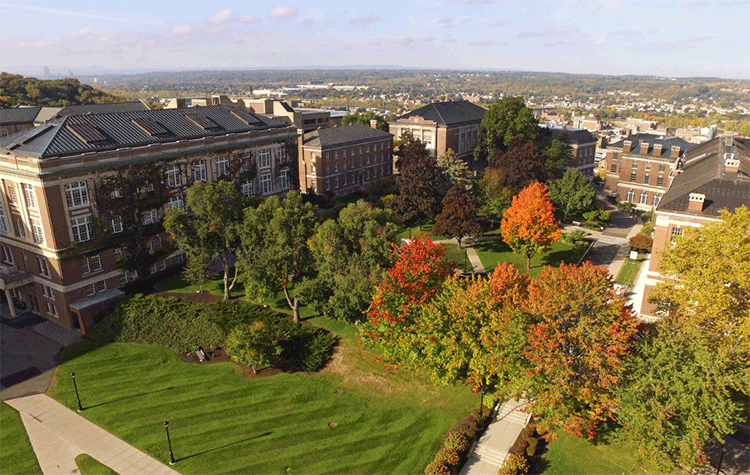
(457, 443)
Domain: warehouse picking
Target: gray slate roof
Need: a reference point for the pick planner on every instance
(103, 108)
(120, 131)
(340, 136)
(576, 136)
(448, 113)
(704, 173)
(18, 115)
(666, 141)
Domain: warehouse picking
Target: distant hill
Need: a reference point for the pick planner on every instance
(16, 89)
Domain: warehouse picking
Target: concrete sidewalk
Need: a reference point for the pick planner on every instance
(58, 435)
(490, 452)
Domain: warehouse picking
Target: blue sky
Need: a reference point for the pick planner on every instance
(663, 38)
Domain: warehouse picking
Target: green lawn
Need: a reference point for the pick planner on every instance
(16, 456)
(88, 465)
(629, 271)
(426, 229)
(455, 255)
(493, 252)
(177, 284)
(221, 421)
(572, 455)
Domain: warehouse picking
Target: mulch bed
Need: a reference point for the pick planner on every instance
(204, 296)
(219, 355)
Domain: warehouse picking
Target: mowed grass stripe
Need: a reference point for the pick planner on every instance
(222, 422)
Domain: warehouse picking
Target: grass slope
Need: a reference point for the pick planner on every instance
(16, 456)
(629, 271)
(570, 455)
(221, 422)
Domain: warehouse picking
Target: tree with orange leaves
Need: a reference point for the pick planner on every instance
(528, 226)
(418, 272)
(579, 336)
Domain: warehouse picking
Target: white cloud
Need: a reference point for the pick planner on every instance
(285, 13)
(220, 17)
(249, 18)
(183, 29)
(365, 20)
(702, 36)
(402, 40)
(80, 33)
(318, 15)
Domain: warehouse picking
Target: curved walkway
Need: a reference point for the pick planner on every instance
(58, 435)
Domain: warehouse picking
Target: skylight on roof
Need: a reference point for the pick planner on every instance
(87, 133)
(29, 135)
(202, 121)
(149, 125)
(247, 117)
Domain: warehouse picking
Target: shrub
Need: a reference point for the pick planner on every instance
(456, 441)
(514, 465)
(641, 243)
(599, 216)
(437, 468)
(648, 229)
(448, 457)
(531, 449)
(253, 345)
(574, 237)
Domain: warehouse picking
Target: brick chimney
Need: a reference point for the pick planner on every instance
(627, 146)
(374, 123)
(696, 202)
(644, 148)
(731, 164)
(675, 151)
(657, 150)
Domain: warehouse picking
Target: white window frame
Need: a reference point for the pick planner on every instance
(8, 255)
(51, 309)
(265, 184)
(657, 199)
(284, 179)
(162, 265)
(150, 217)
(176, 202)
(101, 286)
(82, 228)
(630, 196)
(76, 194)
(12, 193)
(118, 253)
(247, 188)
(43, 266)
(96, 263)
(222, 166)
(643, 198)
(264, 158)
(85, 266)
(21, 229)
(3, 223)
(173, 177)
(90, 290)
(37, 231)
(28, 191)
(115, 224)
(199, 171)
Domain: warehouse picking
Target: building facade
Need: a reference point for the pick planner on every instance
(715, 176)
(342, 160)
(641, 168)
(583, 148)
(443, 125)
(77, 190)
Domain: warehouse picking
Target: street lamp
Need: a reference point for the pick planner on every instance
(172, 461)
(721, 459)
(73, 376)
(466, 255)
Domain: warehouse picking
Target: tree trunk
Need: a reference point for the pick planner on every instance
(459, 243)
(528, 262)
(293, 304)
(254, 371)
(225, 265)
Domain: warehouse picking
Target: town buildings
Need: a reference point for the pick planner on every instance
(442, 126)
(81, 194)
(342, 160)
(641, 167)
(714, 176)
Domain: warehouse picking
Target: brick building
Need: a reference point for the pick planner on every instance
(342, 160)
(715, 175)
(640, 168)
(442, 126)
(62, 231)
(583, 148)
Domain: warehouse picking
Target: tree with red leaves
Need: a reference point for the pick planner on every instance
(528, 226)
(418, 272)
(459, 216)
(580, 334)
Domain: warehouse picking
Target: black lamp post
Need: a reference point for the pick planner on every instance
(172, 461)
(481, 401)
(466, 255)
(721, 458)
(73, 376)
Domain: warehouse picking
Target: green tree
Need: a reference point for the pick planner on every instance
(197, 269)
(677, 395)
(454, 169)
(356, 118)
(559, 155)
(710, 284)
(253, 345)
(350, 255)
(418, 199)
(459, 217)
(528, 226)
(274, 254)
(495, 196)
(506, 119)
(210, 223)
(572, 193)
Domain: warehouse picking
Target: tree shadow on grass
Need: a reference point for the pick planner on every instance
(495, 245)
(128, 397)
(555, 258)
(265, 434)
